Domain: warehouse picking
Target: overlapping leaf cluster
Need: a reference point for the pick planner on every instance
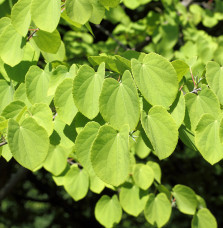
(86, 124)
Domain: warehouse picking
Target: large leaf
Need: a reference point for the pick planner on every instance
(108, 211)
(161, 130)
(158, 210)
(37, 82)
(98, 12)
(64, 101)
(48, 42)
(79, 11)
(214, 76)
(156, 79)
(204, 219)
(196, 105)
(143, 176)
(87, 88)
(207, 139)
(46, 14)
(6, 94)
(11, 46)
(133, 199)
(110, 156)
(76, 182)
(119, 102)
(28, 142)
(185, 198)
(21, 17)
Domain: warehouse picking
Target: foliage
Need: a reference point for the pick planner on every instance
(106, 123)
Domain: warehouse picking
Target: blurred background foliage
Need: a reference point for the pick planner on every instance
(187, 30)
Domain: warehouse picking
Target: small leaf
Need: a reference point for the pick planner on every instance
(79, 11)
(143, 176)
(48, 42)
(87, 88)
(6, 94)
(158, 210)
(181, 68)
(161, 130)
(64, 101)
(185, 198)
(204, 219)
(214, 76)
(76, 183)
(207, 139)
(21, 139)
(156, 169)
(133, 199)
(108, 211)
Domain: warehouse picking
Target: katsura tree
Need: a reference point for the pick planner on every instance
(88, 124)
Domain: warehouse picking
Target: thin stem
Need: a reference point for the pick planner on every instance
(3, 143)
(195, 86)
(106, 32)
(32, 34)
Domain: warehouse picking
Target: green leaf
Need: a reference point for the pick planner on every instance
(132, 199)
(37, 83)
(143, 176)
(185, 198)
(214, 76)
(98, 12)
(177, 109)
(196, 105)
(20, 94)
(141, 149)
(204, 219)
(187, 137)
(21, 140)
(6, 94)
(161, 130)
(56, 160)
(6, 153)
(13, 109)
(181, 68)
(58, 56)
(11, 46)
(48, 42)
(110, 3)
(207, 139)
(79, 11)
(156, 79)
(96, 184)
(4, 23)
(46, 14)
(158, 210)
(21, 17)
(87, 88)
(76, 182)
(43, 116)
(156, 169)
(64, 101)
(110, 156)
(108, 211)
(119, 102)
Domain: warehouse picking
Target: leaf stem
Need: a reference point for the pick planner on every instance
(3, 143)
